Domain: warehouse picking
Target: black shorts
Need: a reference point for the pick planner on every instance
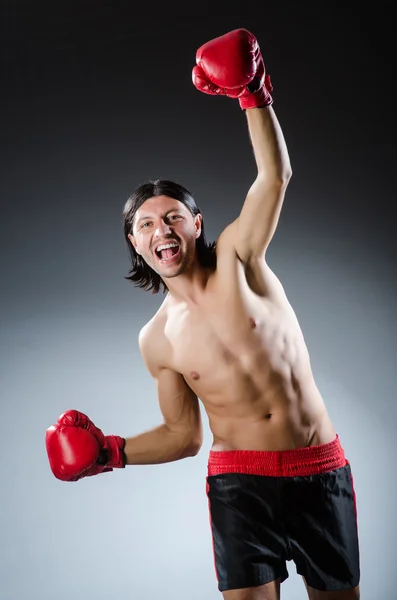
(267, 508)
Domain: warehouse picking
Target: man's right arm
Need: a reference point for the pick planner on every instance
(181, 434)
(76, 448)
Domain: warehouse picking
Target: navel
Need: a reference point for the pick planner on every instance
(194, 375)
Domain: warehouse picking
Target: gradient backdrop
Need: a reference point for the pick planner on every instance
(94, 100)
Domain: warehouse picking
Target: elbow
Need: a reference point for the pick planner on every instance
(191, 451)
(279, 180)
(284, 176)
(193, 447)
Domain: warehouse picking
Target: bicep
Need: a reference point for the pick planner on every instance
(178, 404)
(250, 234)
(259, 217)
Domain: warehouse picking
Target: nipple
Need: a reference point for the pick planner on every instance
(252, 322)
(195, 375)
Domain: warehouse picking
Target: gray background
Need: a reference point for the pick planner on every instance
(94, 101)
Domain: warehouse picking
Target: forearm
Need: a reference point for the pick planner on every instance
(157, 446)
(269, 146)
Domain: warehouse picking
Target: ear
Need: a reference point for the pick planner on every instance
(133, 242)
(198, 219)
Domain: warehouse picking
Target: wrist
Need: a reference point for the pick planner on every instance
(257, 97)
(114, 454)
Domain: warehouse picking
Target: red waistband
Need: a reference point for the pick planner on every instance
(299, 462)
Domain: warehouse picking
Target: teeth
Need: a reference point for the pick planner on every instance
(165, 246)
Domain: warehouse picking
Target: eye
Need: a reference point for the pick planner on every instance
(174, 217)
(143, 226)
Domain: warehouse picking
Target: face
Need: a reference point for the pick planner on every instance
(164, 233)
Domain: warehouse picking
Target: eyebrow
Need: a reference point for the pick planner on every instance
(164, 215)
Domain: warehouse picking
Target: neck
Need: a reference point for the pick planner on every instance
(189, 286)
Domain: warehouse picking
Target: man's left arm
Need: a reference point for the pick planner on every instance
(258, 219)
(232, 65)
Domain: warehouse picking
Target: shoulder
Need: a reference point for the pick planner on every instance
(228, 243)
(225, 244)
(151, 342)
(260, 277)
(227, 238)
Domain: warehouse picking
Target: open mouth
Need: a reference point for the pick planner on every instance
(167, 252)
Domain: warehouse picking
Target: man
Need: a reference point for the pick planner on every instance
(279, 486)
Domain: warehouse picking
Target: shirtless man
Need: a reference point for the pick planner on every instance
(279, 486)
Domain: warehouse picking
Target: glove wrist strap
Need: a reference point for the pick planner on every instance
(257, 98)
(116, 458)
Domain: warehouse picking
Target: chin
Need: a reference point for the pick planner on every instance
(172, 273)
(169, 271)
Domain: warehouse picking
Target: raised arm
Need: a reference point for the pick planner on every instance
(259, 216)
(232, 65)
(180, 435)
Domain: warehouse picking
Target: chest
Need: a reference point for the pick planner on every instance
(226, 327)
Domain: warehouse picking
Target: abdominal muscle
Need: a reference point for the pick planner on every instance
(275, 420)
(260, 397)
(246, 359)
(264, 425)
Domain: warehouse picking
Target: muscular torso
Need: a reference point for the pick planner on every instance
(240, 348)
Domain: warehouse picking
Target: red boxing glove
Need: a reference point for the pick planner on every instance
(232, 65)
(77, 449)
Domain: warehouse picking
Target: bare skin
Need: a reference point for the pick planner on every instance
(353, 594)
(269, 591)
(229, 337)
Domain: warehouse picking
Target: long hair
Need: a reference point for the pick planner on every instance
(140, 273)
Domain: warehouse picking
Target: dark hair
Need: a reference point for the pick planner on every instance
(141, 274)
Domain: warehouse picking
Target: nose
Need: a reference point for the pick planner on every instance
(162, 229)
